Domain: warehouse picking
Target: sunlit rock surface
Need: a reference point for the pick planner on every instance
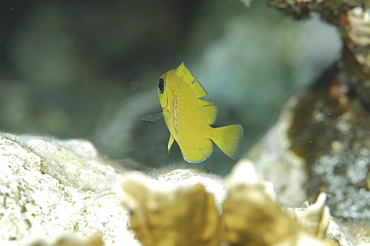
(49, 187)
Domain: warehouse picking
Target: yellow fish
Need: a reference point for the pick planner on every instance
(188, 118)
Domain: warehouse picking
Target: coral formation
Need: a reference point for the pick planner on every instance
(166, 213)
(178, 207)
(161, 214)
(72, 241)
(49, 187)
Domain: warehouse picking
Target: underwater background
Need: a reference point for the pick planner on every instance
(90, 69)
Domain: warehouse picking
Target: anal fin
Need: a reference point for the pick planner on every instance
(198, 153)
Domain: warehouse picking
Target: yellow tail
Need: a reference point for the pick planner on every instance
(228, 139)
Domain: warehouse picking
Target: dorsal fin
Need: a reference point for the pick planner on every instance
(188, 78)
(184, 73)
(198, 89)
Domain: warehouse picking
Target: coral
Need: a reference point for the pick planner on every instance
(72, 241)
(163, 212)
(49, 187)
(55, 206)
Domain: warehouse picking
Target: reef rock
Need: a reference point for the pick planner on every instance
(49, 187)
(61, 192)
(321, 142)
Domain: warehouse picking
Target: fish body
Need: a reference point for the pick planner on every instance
(189, 118)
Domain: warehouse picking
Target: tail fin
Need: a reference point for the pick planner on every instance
(228, 139)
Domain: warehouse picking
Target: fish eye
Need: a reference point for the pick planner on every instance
(161, 85)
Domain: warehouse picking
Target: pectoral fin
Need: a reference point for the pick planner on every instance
(170, 142)
(158, 117)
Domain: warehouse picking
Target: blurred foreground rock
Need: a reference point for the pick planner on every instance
(167, 211)
(53, 191)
